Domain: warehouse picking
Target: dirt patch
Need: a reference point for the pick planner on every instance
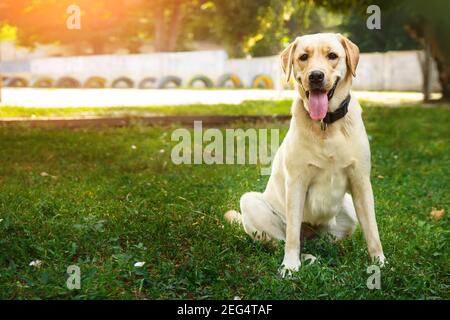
(127, 121)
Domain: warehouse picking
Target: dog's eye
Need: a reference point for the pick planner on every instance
(332, 56)
(304, 57)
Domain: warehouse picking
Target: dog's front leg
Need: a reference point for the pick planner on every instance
(363, 201)
(295, 200)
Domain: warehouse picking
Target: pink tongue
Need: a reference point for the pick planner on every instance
(318, 105)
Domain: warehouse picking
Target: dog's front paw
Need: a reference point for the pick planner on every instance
(289, 266)
(380, 260)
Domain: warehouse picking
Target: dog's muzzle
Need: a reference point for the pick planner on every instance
(330, 93)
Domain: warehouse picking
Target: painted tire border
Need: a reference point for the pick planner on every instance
(67, 82)
(128, 81)
(144, 81)
(262, 78)
(164, 81)
(47, 81)
(12, 82)
(92, 81)
(237, 83)
(201, 78)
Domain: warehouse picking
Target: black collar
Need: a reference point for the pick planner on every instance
(338, 113)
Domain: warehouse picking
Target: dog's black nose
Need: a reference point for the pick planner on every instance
(316, 77)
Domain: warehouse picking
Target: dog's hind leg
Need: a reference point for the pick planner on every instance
(258, 219)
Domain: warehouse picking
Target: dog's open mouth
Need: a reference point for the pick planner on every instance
(318, 102)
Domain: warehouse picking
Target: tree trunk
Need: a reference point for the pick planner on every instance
(98, 46)
(442, 58)
(160, 27)
(444, 72)
(167, 27)
(174, 30)
(426, 69)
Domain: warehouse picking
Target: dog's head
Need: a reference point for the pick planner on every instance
(319, 62)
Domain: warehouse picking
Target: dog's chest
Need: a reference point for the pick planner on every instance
(326, 191)
(328, 186)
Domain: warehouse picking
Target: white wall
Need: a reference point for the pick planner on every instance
(181, 64)
(393, 71)
(248, 69)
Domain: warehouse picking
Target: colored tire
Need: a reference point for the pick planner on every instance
(164, 81)
(16, 82)
(262, 81)
(207, 82)
(223, 80)
(129, 83)
(43, 83)
(95, 82)
(147, 83)
(68, 82)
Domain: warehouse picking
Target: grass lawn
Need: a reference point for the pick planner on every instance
(245, 108)
(87, 197)
(265, 107)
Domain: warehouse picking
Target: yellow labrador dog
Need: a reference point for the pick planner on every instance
(321, 172)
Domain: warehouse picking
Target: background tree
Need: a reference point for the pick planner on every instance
(234, 21)
(425, 21)
(285, 20)
(104, 23)
(392, 36)
(253, 27)
(169, 19)
(45, 21)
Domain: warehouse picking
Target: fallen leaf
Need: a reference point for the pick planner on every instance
(45, 174)
(35, 263)
(437, 214)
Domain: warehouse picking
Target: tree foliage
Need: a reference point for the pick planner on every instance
(426, 21)
(45, 21)
(250, 27)
(392, 36)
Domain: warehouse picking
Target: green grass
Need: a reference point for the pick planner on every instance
(245, 108)
(105, 206)
(254, 107)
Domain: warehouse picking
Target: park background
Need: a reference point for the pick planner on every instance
(86, 117)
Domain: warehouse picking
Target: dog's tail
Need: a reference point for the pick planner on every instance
(232, 216)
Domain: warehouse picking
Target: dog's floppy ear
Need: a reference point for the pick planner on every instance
(352, 53)
(287, 59)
